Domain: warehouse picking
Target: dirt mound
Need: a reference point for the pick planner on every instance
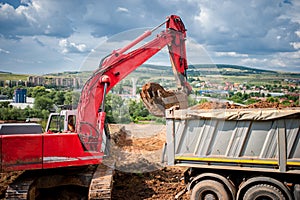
(131, 144)
(159, 184)
(216, 105)
(146, 179)
(226, 105)
(265, 104)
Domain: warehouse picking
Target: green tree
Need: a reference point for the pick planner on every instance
(39, 91)
(272, 99)
(116, 109)
(59, 98)
(71, 98)
(43, 103)
(4, 104)
(7, 91)
(137, 110)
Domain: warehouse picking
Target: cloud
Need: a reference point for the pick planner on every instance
(296, 45)
(246, 26)
(4, 51)
(231, 54)
(36, 17)
(71, 47)
(121, 9)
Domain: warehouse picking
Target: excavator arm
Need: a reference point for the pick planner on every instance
(119, 64)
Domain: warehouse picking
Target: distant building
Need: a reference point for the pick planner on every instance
(54, 81)
(20, 96)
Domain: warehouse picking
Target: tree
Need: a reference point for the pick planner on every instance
(137, 110)
(39, 91)
(71, 98)
(272, 99)
(4, 104)
(116, 109)
(43, 103)
(59, 98)
(7, 91)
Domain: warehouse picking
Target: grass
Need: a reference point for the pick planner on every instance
(13, 77)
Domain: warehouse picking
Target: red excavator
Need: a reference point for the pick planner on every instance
(34, 164)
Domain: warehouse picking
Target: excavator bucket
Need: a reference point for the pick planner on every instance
(157, 99)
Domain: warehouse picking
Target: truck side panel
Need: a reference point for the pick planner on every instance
(265, 143)
(21, 152)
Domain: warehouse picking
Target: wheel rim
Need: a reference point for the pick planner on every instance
(209, 195)
(263, 198)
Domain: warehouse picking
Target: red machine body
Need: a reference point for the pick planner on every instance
(44, 150)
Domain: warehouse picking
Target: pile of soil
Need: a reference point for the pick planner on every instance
(132, 144)
(216, 105)
(159, 184)
(153, 181)
(226, 105)
(265, 104)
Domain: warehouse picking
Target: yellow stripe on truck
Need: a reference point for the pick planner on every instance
(243, 161)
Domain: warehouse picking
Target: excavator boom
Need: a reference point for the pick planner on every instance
(118, 65)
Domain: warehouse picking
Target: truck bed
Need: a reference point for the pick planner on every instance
(245, 139)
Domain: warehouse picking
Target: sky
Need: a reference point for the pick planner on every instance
(46, 36)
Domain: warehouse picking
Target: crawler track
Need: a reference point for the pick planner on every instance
(92, 182)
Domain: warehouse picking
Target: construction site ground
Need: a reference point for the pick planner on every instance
(140, 174)
(137, 150)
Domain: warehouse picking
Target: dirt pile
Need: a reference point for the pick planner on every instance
(216, 105)
(265, 104)
(226, 105)
(139, 174)
(133, 144)
(159, 184)
(137, 148)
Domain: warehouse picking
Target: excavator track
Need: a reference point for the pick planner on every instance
(101, 183)
(18, 190)
(97, 179)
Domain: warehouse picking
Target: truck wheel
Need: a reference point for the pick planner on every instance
(209, 190)
(263, 191)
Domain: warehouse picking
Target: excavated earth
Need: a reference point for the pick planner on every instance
(140, 174)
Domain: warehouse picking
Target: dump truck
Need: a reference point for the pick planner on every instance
(236, 153)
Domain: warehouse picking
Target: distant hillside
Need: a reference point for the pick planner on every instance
(3, 72)
(14, 77)
(153, 70)
(226, 70)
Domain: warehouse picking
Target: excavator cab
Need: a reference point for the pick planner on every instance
(64, 121)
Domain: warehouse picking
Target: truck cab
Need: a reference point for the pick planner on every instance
(64, 121)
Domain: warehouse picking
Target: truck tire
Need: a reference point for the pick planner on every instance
(209, 190)
(264, 191)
